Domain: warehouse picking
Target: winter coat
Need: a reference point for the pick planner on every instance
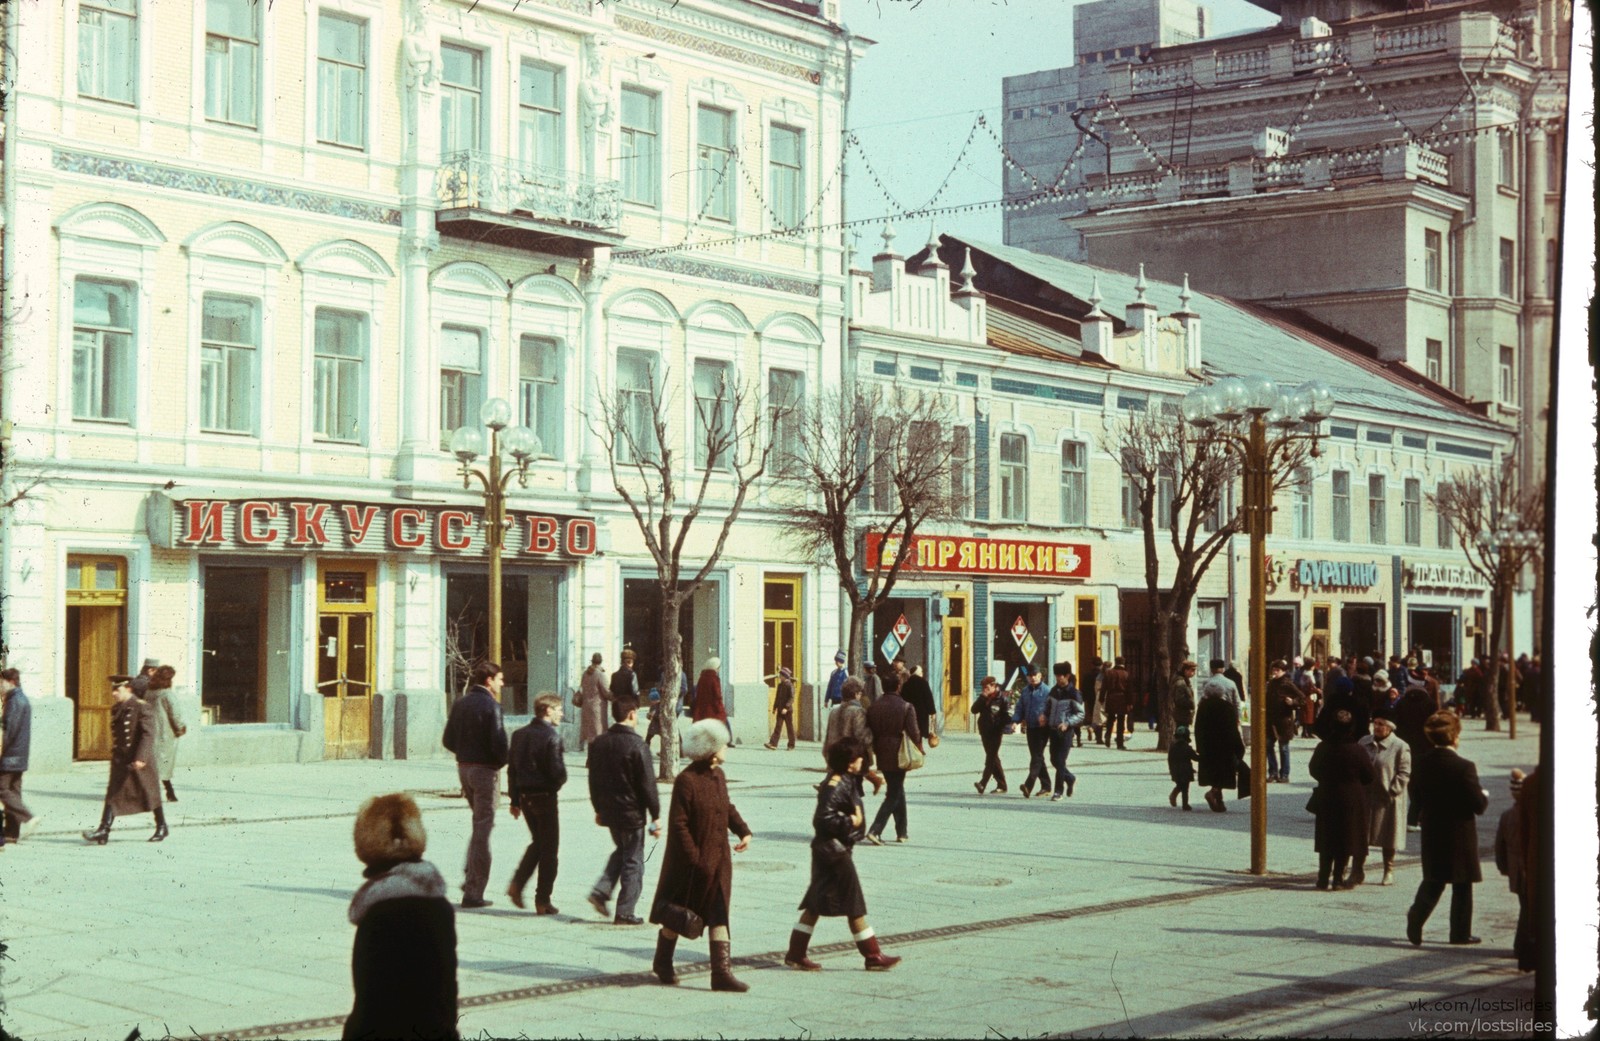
(403, 965)
(919, 696)
(849, 720)
(783, 697)
(169, 725)
(1118, 691)
(1283, 707)
(993, 716)
(889, 718)
(871, 689)
(1030, 705)
(623, 681)
(1216, 738)
(697, 868)
(17, 733)
(1063, 709)
(1343, 771)
(1182, 698)
(1181, 757)
(835, 889)
(708, 698)
(1220, 686)
(1095, 700)
(133, 740)
(622, 787)
(836, 686)
(476, 731)
(1449, 800)
(536, 764)
(1386, 795)
(1410, 715)
(594, 705)
(1360, 714)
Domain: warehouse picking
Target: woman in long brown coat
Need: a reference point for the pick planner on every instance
(169, 726)
(134, 786)
(594, 702)
(697, 868)
(1342, 770)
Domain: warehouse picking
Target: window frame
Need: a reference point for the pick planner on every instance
(626, 136)
(1506, 373)
(1013, 477)
(1377, 510)
(232, 42)
(1433, 360)
(343, 69)
(961, 469)
(1432, 259)
(1074, 474)
(790, 217)
(466, 381)
(450, 92)
(127, 363)
(1508, 269)
(233, 352)
(1304, 504)
(107, 9)
(548, 404)
(340, 364)
(709, 186)
(1341, 505)
(1411, 511)
(551, 121)
(711, 405)
(786, 432)
(640, 400)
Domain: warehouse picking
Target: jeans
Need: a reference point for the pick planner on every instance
(991, 765)
(893, 802)
(625, 867)
(1273, 754)
(785, 718)
(1038, 741)
(1119, 720)
(1427, 899)
(1060, 748)
(481, 786)
(16, 813)
(544, 828)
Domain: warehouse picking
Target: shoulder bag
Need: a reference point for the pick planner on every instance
(681, 920)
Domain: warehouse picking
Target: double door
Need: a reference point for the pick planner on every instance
(346, 656)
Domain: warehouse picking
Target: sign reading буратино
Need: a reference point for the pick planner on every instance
(1335, 574)
(961, 555)
(302, 525)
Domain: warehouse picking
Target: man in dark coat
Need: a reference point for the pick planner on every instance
(1284, 701)
(476, 733)
(916, 692)
(622, 789)
(783, 708)
(1341, 695)
(1361, 690)
(1030, 715)
(1182, 695)
(993, 713)
(536, 771)
(1342, 770)
(1445, 787)
(1118, 691)
(890, 719)
(849, 722)
(14, 746)
(133, 786)
(1216, 739)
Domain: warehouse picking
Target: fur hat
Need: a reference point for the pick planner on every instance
(1380, 680)
(389, 830)
(705, 739)
(713, 663)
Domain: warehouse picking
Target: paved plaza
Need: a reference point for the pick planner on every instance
(1109, 914)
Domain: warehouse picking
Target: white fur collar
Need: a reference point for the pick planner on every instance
(407, 879)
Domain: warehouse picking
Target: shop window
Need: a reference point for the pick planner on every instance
(531, 648)
(1377, 511)
(1209, 631)
(341, 80)
(1411, 507)
(245, 661)
(1013, 477)
(230, 335)
(233, 54)
(786, 175)
(1361, 630)
(338, 375)
(701, 629)
(460, 99)
(102, 350)
(539, 392)
(1074, 483)
(1341, 506)
(540, 132)
(108, 49)
(1021, 636)
(640, 153)
(715, 142)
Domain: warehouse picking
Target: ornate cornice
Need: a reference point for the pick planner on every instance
(702, 42)
(697, 268)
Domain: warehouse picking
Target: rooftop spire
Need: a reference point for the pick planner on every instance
(1140, 286)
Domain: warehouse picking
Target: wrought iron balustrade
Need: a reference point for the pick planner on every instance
(495, 184)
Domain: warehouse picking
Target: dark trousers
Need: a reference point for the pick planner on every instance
(1060, 748)
(894, 802)
(1524, 946)
(1427, 899)
(785, 718)
(1327, 862)
(1119, 720)
(544, 828)
(624, 870)
(481, 786)
(11, 799)
(991, 765)
(1038, 741)
(1275, 753)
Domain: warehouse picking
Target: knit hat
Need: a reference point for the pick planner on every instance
(1180, 733)
(838, 657)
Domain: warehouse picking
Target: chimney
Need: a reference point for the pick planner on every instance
(1095, 327)
(888, 267)
(1191, 328)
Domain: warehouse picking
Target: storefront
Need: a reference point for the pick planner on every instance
(1320, 606)
(1443, 603)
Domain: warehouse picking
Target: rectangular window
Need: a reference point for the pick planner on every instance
(1435, 360)
(460, 379)
(108, 49)
(1508, 160)
(1304, 515)
(636, 378)
(102, 350)
(460, 99)
(539, 122)
(337, 379)
(1377, 511)
(1013, 477)
(1222, 512)
(786, 179)
(640, 147)
(539, 392)
(1446, 533)
(1074, 483)
(1411, 509)
(961, 470)
(786, 394)
(341, 80)
(711, 412)
(883, 497)
(229, 335)
(1508, 375)
(715, 140)
(1166, 491)
(1432, 260)
(1341, 506)
(233, 53)
(1508, 269)
(1132, 514)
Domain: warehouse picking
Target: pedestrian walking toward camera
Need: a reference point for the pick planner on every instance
(849, 722)
(622, 789)
(783, 708)
(992, 710)
(476, 733)
(1216, 738)
(403, 964)
(1342, 771)
(134, 786)
(1181, 758)
(535, 772)
(624, 680)
(696, 883)
(593, 701)
(835, 890)
(1118, 691)
(1283, 717)
(871, 685)
(892, 722)
(836, 680)
(169, 724)
(1064, 712)
(16, 738)
(1386, 797)
(1446, 787)
(1030, 715)
(1182, 694)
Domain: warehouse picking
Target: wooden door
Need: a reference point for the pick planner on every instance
(346, 658)
(99, 656)
(780, 646)
(957, 665)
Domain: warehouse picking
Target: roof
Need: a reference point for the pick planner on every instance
(1250, 339)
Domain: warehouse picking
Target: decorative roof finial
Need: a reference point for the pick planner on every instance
(968, 272)
(1183, 297)
(1094, 294)
(1140, 286)
(888, 237)
(933, 250)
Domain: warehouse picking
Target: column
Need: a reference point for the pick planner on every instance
(593, 274)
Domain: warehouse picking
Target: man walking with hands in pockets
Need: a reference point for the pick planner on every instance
(622, 789)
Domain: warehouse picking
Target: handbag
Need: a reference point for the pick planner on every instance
(681, 920)
(910, 757)
(1244, 780)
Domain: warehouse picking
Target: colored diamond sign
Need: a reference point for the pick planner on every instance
(1029, 647)
(902, 629)
(1019, 629)
(890, 647)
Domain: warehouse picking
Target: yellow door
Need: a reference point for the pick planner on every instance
(780, 644)
(1086, 638)
(346, 657)
(957, 665)
(96, 599)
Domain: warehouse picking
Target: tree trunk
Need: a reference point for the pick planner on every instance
(856, 652)
(671, 667)
(1498, 629)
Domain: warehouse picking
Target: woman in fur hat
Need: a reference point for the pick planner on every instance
(697, 868)
(169, 724)
(835, 889)
(404, 962)
(708, 694)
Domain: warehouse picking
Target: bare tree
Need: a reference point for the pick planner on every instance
(1475, 504)
(1180, 480)
(873, 461)
(731, 450)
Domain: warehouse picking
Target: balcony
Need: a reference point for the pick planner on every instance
(495, 199)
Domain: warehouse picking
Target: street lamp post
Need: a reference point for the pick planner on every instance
(1263, 406)
(467, 443)
(1507, 542)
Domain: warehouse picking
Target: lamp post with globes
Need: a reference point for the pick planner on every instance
(1239, 413)
(1509, 545)
(468, 443)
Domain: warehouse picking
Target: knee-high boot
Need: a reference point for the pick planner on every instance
(799, 940)
(662, 966)
(102, 834)
(161, 826)
(722, 968)
(876, 960)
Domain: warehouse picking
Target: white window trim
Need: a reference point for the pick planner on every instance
(266, 69)
(1087, 441)
(714, 93)
(1388, 503)
(791, 342)
(69, 69)
(789, 113)
(648, 76)
(717, 331)
(468, 294)
(347, 276)
(377, 39)
(551, 308)
(1422, 506)
(492, 118)
(997, 428)
(560, 54)
(640, 320)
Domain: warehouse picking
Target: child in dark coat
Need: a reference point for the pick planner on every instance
(1181, 758)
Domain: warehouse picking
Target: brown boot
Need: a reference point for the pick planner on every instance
(722, 969)
(662, 966)
(796, 958)
(876, 960)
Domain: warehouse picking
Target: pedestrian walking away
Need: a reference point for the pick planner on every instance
(872, 686)
(593, 701)
(835, 890)
(133, 786)
(1283, 718)
(1516, 852)
(1182, 694)
(403, 964)
(783, 708)
(1219, 685)
(1216, 739)
(708, 694)
(1450, 800)
(892, 723)
(1181, 758)
(16, 737)
(1030, 716)
(696, 882)
(992, 710)
(849, 720)
(1342, 771)
(916, 692)
(1386, 797)
(1118, 691)
(622, 789)
(1095, 703)
(476, 734)
(535, 772)
(169, 724)
(1063, 715)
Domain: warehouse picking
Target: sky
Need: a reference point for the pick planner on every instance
(937, 65)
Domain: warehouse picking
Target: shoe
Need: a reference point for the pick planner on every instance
(871, 839)
(1071, 785)
(1172, 799)
(1056, 797)
(627, 919)
(1186, 806)
(100, 835)
(789, 749)
(1322, 883)
(875, 959)
(1467, 941)
(161, 833)
(978, 786)
(1027, 793)
(769, 746)
(1356, 878)
(722, 977)
(601, 905)
(515, 893)
(902, 838)
(1413, 827)
(26, 829)
(1388, 877)
(172, 796)
(1413, 930)
(662, 966)
(539, 908)
(1001, 790)
(471, 903)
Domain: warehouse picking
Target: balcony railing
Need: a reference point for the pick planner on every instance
(1411, 39)
(480, 181)
(1243, 65)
